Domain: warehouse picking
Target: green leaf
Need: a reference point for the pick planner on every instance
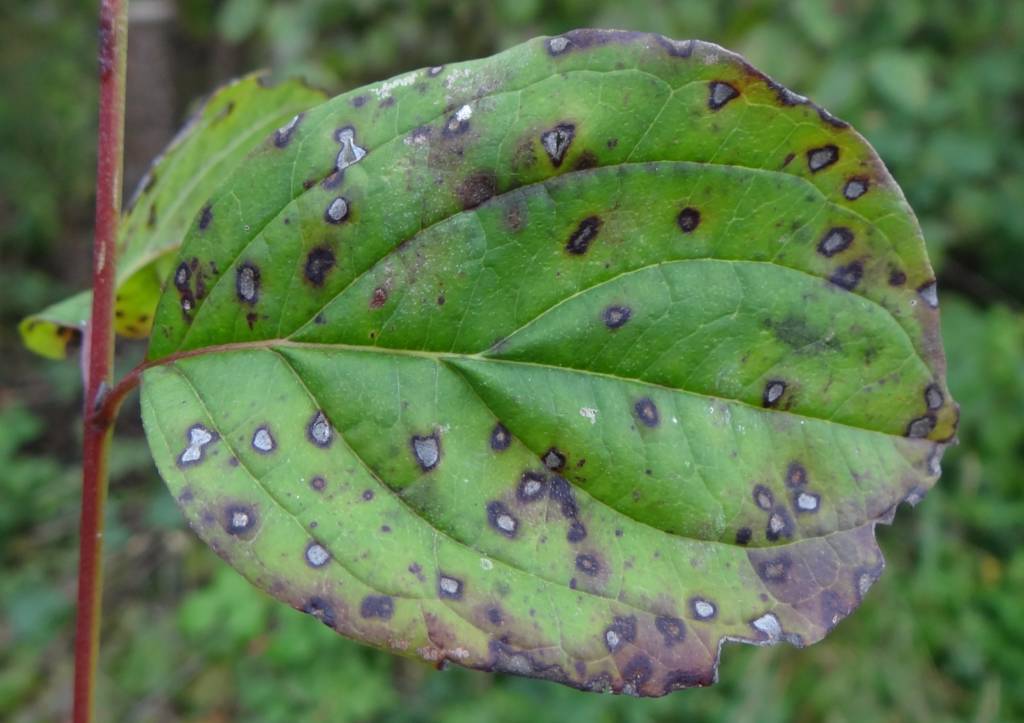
(573, 362)
(234, 120)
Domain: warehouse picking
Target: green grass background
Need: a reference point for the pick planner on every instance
(937, 87)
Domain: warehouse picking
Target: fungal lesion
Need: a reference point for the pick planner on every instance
(556, 142)
(198, 437)
(426, 450)
(263, 440)
(720, 93)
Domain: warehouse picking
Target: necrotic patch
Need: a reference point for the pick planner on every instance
(796, 475)
(688, 219)
(855, 188)
(768, 626)
(449, 587)
(557, 46)
(531, 487)
(848, 276)
(501, 519)
(477, 188)
(615, 317)
(336, 211)
(458, 122)
(500, 438)
(426, 450)
(773, 392)
(929, 292)
(319, 263)
(198, 437)
(263, 441)
(775, 570)
(317, 555)
(205, 217)
(377, 606)
(836, 240)
(561, 492)
(673, 630)
(284, 134)
(556, 142)
(247, 283)
(819, 158)
(743, 536)
(350, 152)
(239, 520)
(702, 608)
(933, 397)
(720, 93)
(647, 412)
(588, 564)
(921, 427)
(319, 430)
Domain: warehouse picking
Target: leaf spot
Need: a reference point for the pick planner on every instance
(929, 292)
(720, 93)
(502, 519)
(773, 392)
(501, 438)
(205, 217)
(198, 437)
(318, 483)
(763, 497)
(247, 283)
(557, 46)
(377, 606)
(317, 555)
(336, 211)
(779, 525)
(819, 158)
(848, 276)
(580, 239)
(768, 625)
(556, 142)
(284, 134)
(553, 459)
(322, 610)
(616, 316)
(836, 240)
(647, 412)
(703, 609)
(531, 487)
(263, 441)
(319, 430)
(673, 630)
(239, 520)
(319, 263)
(350, 152)
(688, 219)
(743, 536)
(588, 564)
(427, 451)
(807, 502)
(855, 188)
(933, 397)
(921, 427)
(449, 587)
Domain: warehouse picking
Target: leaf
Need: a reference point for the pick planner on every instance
(229, 124)
(573, 362)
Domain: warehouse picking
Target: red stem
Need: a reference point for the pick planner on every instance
(99, 350)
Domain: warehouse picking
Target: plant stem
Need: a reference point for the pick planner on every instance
(99, 349)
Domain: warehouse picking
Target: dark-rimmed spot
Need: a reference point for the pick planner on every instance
(775, 570)
(577, 532)
(819, 158)
(637, 671)
(835, 240)
(458, 122)
(239, 520)
(198, 437)
(377, 606)
(318, 483)
(319, 263)
(477, 188)
(449, 587)
(848, 276)
(501, 438)
(780, 524)
(773, 392)
(350, 152)
(933, 397)
(588, 564)
(336, 211)
(367, 495)
(359, 101)
(317, 555)
(855, 188)
(318, 431)
(580, 239)
(205, 217)
(763, 497)
(673, 630)
(743, 536)
(283, 135)
(558, 45)
(703, 609)
(263, 440)
(501, 519)
(688, 219)
(586, 161)
(720, 93)
(897, 278)
(322, 610)
(426, 450)
(247, 283)
(615, 317)
(553, 459)
(561, 492)
(921, 427)
(805, 502)
(556, 142)
(796, 475)
(647, 412)
(622, 630)
(495, 617)
(532, 487)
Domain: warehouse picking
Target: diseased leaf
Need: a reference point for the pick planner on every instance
(573, 362)
(229, 124)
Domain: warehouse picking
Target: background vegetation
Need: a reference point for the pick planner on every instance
(938, 87)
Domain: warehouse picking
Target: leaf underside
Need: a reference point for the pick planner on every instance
(228, 125)
(572, 362)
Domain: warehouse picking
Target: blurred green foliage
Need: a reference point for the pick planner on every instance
(937, 86)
